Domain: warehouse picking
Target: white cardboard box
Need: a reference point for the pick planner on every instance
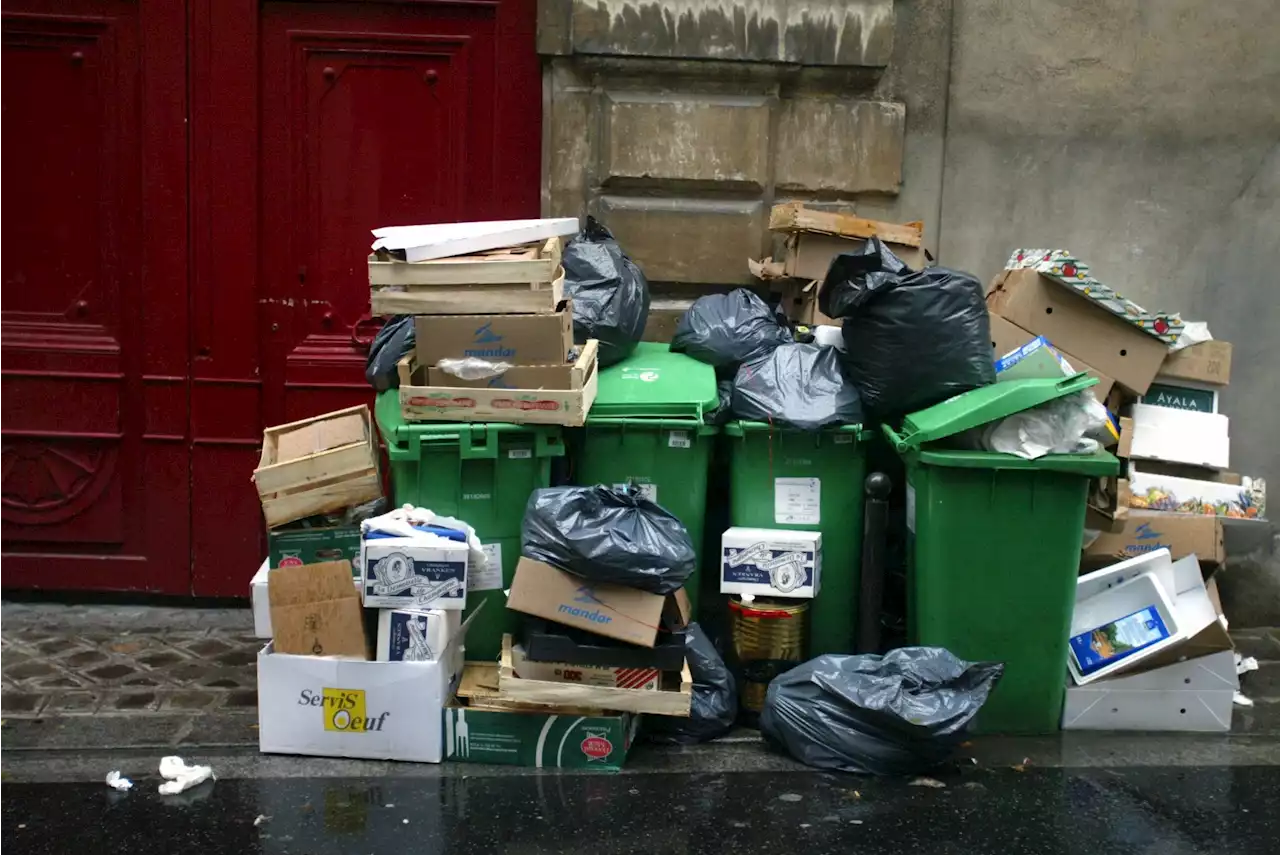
(412, 635)
(342, 708)
(404, 572)
(1180, 436)
(261, 602)
(1195, 695)
(771, 562)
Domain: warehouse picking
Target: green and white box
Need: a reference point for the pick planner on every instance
(537, 739)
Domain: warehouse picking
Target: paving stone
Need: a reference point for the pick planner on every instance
(188, 700)
(53, 646)
(72, 702)
(1263, 684)
(21, 702)
(84, 657)
(1259, 643)
(141, 681)
(14, 658)
(112, 672)
(159, 659)
(209, 647)
(134, 701)
(60, 681)
(239, 657)
(241, 698)
(27, 670)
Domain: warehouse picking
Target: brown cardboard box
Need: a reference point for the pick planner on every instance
(800, 303)
(809, 254)
(315, 611)
(519, 377)
(1126, 438)
(1206, 362)
(1145, 531)
(1078, 327)
(1007, 337)
(615, 611)
(518, 339)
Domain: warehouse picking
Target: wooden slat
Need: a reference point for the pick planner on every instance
(795, 217)
(672, 698)
(282, 508)
(537, 264)
(470, 299)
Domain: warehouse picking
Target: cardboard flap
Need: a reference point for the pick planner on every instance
(310, 583)
(320, 436)
(315, 611)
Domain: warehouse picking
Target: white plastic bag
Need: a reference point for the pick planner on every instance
(1060, 426)
(402, 522)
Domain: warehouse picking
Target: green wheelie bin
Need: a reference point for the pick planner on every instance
(812, 481)
(481, 473)
(994, 548)
(646, 427)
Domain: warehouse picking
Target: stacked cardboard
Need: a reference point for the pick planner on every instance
(812, 238)
(494, 334)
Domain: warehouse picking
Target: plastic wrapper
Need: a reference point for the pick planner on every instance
(180, 777)
(392, 343)
(714, 705)
(1060, 426)
(609, 292)
(606, 535)
(473, 368)
(408, 521)
(796, 385)
(726, 330)
(903, 713)
(912, 339)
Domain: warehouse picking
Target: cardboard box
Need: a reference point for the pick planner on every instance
(337, 708)
(1078, 327)
(541, 739)
(809, 254)
(1038, 358)
(614, 611)
(1183, 395)
(1206, 362)
(645, 679)
(771, 562)
(289, 547)
(546, 641)
(402, 572)
(260, 600)
(1192, 696)
(800, 304)
(518, 339)
(1160, 492)
(1147, 531)
(412, 635)
(315, 611)
(1125, 446)
(519, 377)
(1180, 436)
(1006, 337)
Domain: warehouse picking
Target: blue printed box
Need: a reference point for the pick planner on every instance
(404, 572)
(768, 562)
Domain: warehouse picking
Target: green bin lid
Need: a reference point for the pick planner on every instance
(981, 406)
(653, 382)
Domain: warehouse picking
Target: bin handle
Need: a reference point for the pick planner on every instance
(485, 449)
(898, 442)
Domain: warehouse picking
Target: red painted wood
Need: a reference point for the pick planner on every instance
(95, 464)
(371, 113)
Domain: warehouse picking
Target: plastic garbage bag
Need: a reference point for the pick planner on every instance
(609, 292)
(606, 535)
(723, 413)
(1060, 426)
(898, 714)
(714, 705)
(912, 339)
(473, 367)
(798, 385)
(392, 343)
(728, 329)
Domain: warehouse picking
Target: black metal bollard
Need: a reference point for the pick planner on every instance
(871, 595)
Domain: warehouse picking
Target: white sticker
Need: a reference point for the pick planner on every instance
(490, 578)
(647, 491)
(911, 508)
(679, 439)
(844, 439)
(797, 501)
(520, 453)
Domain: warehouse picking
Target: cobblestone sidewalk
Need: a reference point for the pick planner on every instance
(62, 660)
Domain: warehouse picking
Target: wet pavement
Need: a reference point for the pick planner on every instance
(1219, 810)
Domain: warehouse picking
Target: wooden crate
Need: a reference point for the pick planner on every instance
(517, 280)
(795, 217)
(423, 403)
(672, 698)
(341, 472)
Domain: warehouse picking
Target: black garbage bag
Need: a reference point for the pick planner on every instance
(796, 385)
(903, 713)
(714, 705)
(606, 535)
(609, 292)
(729, 329)
(723, 413)
(392, 343)
(912, 339)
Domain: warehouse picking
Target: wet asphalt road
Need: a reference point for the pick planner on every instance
(1170, 811)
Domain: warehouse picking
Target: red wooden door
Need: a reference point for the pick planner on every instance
(369, 113)
(94, 325)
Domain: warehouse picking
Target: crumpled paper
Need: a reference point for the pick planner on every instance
(118, 782)
(181, 777)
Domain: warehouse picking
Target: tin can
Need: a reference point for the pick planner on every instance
(768, 639)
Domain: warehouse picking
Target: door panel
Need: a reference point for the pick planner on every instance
(92, 497)
(370, 113)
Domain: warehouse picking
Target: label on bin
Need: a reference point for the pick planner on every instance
(490, 578)
(679, 439)
(647, 491)
(797, 501)
(520, 454)
(911, 509)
